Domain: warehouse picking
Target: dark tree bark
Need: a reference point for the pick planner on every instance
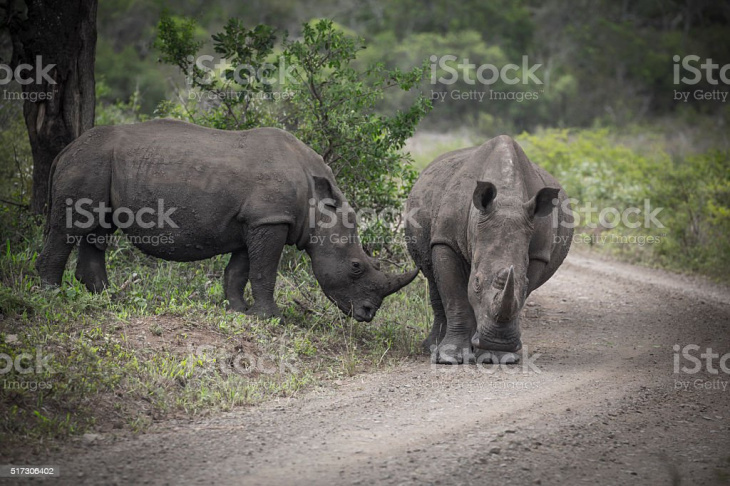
(63, 34)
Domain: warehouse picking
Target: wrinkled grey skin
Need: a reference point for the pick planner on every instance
(484, 234)
(246, 193)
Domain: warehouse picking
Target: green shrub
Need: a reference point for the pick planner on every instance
(606, 170)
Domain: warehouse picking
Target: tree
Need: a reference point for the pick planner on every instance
(58, 39)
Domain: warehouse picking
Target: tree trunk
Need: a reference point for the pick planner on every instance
(60, 106)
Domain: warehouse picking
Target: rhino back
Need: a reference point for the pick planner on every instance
(218, 181)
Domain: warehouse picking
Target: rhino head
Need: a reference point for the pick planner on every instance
(502, 229)
(349, 277)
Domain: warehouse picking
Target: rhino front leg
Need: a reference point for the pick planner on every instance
(235, 279)
(452, 277)
(438, 329)
(265, 244)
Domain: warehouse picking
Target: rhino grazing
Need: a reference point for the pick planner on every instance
(247, 193)
(482, 234)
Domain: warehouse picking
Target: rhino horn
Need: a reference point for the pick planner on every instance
(506, 302)
(396, 281)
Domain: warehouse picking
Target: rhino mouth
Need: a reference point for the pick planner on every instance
(507, 339)
(362, 313)
(511, 346)
(365, 313)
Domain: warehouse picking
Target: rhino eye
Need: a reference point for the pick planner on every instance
(357, 267)
(477, 284)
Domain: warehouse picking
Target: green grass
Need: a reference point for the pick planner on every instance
(159, 343)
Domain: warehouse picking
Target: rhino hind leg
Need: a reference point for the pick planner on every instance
(235, 279)
(438, 329)
(91, 265)
(265, 244)
(52, 260)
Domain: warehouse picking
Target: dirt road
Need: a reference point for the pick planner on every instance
(597, 401)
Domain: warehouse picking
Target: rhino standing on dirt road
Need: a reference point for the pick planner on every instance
(482, 233)
(183, 192)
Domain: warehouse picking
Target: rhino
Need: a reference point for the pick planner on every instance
(182, 192)
(487, 227)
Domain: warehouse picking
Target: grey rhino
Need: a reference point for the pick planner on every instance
(183, 192)
(481, 232)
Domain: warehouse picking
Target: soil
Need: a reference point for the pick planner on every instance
(596, 401)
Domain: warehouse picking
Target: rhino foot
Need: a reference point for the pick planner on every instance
(263, 312)
(484, 356)
(429, 344)
(452, 353)
(438, 331)
(237, 306)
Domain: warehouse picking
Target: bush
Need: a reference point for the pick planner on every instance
(599, 168)
(696, 190)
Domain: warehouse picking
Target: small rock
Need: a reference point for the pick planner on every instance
(11, 338)
(495, 450)
(90, 438)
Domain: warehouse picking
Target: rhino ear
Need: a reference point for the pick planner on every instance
(484, 194)
(543, 203)
(325, 191)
